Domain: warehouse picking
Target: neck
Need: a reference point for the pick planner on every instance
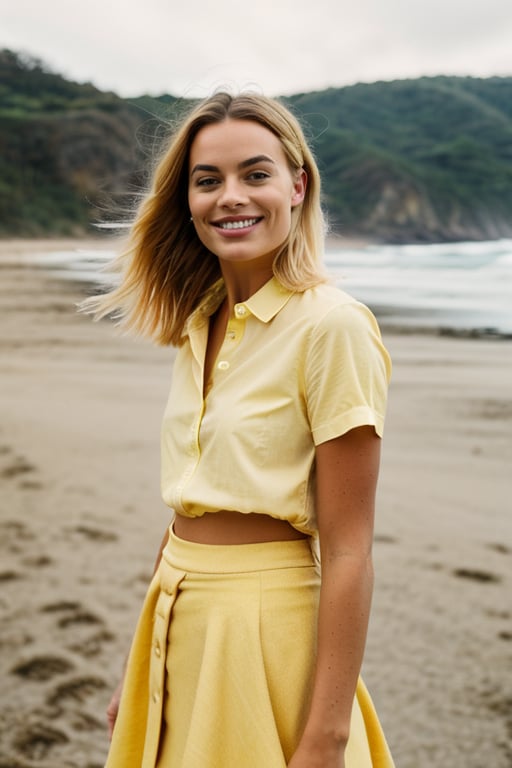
(242, 283)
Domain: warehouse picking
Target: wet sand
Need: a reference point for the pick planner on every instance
(81, 518)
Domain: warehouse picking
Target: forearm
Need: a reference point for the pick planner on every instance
(345, 599)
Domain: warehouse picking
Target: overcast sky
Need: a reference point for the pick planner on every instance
(189, 47)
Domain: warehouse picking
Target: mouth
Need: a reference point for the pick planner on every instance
(230, 224)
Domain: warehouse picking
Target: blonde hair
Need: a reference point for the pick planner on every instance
(165, 269)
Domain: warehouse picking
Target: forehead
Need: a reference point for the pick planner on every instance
(235, 140)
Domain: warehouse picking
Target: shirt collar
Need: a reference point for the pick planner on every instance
(265, 304)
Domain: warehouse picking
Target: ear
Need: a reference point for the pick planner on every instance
(299, 187)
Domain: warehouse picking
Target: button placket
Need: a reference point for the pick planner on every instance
(234, 333)
(170, 580)
(193, 451)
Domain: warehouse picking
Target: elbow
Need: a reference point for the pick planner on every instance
(347, 565)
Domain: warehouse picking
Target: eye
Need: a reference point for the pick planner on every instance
(258, 176)
(207, 181)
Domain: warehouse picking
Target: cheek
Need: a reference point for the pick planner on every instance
(284, 210)
(200, 216)
(279, 202)
(198, 202)
(192, 203)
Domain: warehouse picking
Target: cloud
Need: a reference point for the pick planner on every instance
(281, 47)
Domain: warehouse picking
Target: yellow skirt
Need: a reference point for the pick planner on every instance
(226, 682)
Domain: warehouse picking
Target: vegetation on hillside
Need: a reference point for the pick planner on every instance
(404, 161)
(69, 153)
(416, 159)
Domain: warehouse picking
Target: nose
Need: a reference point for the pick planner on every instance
(233, 193)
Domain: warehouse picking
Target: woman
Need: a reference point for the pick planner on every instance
(248, 651)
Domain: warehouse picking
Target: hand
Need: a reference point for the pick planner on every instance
(113, 709)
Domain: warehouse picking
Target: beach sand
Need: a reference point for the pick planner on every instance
(81, 519)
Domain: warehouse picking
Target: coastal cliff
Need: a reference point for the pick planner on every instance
(415, 160)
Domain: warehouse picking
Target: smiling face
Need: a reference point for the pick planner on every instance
(241, 192)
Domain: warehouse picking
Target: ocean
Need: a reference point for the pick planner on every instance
(452, 288)
(463, 288)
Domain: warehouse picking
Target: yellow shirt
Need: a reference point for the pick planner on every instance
(294, 370)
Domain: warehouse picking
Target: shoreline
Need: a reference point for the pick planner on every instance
(18, 251)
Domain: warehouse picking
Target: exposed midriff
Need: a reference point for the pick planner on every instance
(227, 527)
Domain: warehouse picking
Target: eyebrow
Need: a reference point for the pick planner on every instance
(244, 164)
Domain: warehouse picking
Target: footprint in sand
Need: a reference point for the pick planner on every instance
(494, 614)
(9, 576)
(60, 606)
(78, 690)
(93, 645)
(492, 409)
(19, 466)
(41, 561)
(501, 548)
(12, 531)
(42, 668)
(83, 722)
(74, 613)
(500, 704)
(13, 537)
(95, 534)
(37, 740)
(473, 574)
(80, 616)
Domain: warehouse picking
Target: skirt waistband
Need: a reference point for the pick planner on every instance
(236, 558)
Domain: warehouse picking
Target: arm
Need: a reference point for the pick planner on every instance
(113, 706)
(347, 472)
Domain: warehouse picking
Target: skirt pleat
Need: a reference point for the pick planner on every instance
(220, 671)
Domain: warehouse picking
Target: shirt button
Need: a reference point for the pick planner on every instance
(223, 365)
(158, 650)
(156, 697)
(240, 311)
(231, 334)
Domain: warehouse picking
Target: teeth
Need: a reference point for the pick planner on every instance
(237, 224)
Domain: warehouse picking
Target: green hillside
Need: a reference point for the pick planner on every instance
(416, 159)
(405, 161)
(68, 152)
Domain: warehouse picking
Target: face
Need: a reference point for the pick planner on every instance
(241, 192)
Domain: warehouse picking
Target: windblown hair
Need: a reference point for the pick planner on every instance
(165, 269)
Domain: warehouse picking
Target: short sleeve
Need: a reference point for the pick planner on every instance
(347, 373)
